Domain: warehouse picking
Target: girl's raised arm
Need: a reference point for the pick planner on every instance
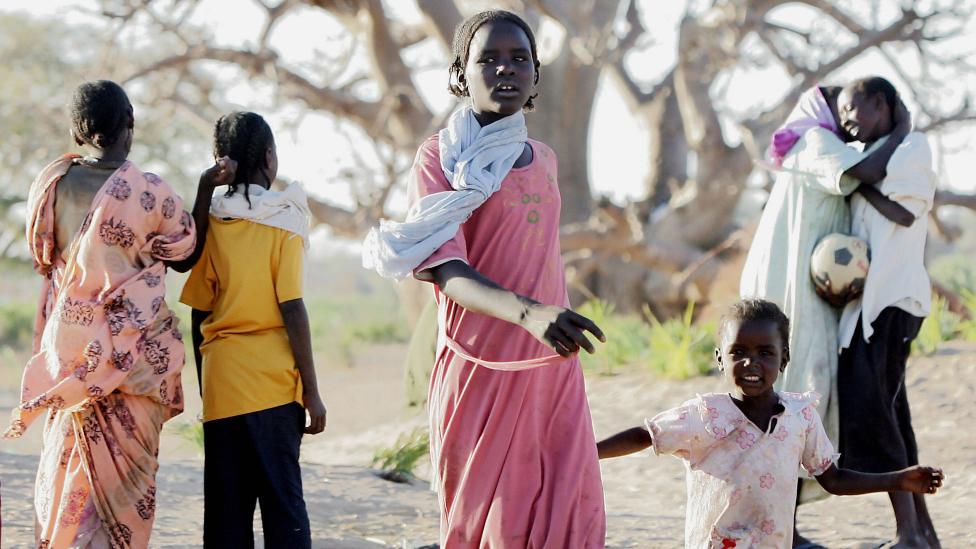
(558, 328)
(221, 173)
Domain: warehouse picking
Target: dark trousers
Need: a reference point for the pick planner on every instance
(254, 458)
(876, 434)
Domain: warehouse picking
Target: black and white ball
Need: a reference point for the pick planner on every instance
(842, 260)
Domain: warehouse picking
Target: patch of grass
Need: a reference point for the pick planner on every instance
(956, 272)
(399, 461)
(627, 337)
(674, 348)
(17, 324)
(944, 325)
(192, 432)
(678, 348)
(341, 323)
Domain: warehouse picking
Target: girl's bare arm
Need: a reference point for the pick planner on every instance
(558, 328)
(221, 173)
(844, 482)
(295, 318)
(624, 442)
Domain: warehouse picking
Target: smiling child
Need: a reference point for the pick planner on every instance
(742, 449)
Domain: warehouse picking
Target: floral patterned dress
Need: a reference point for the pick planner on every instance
(107, 357)
(742, 481)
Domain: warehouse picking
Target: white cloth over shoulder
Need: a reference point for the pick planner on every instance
(286, 210)
(475, 160)
(897, 276)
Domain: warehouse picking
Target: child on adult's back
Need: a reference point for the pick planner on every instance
(512, 443)
(252, 343)
(742, 449)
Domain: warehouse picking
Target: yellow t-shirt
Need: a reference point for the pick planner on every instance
(245, 271)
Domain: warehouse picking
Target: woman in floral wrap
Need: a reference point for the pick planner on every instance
(107, 351)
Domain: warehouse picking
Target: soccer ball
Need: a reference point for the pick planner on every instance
(842, 260)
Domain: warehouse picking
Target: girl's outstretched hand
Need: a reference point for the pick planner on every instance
(560, 329)
(221, 173)
(921, 480)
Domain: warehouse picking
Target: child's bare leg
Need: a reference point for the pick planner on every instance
(925, 522)
(909, 532)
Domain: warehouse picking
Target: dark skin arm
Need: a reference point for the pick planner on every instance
(894, 211)
(196, 336)
(295, 318)
(874, 168)
(558, 328)
(221, 173)
(918, 479)
(624, 442)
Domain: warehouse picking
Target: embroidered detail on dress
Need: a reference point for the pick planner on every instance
(147, 505)
(119, 188)
(157, 356)
(121, 361)
(75, 312)
(148, 201)
(169, 207)
(116, 234)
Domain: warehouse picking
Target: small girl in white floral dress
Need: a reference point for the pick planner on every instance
(743, 449)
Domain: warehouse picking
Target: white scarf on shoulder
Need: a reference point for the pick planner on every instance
(475, 160)
(287, 209)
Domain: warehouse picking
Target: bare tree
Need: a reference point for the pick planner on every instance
(662, 250)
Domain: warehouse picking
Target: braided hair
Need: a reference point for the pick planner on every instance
(99, 112)
(244, 137)
(461, 48)
(753, 309)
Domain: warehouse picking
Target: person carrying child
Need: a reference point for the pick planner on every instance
(815, 171)
(742, 450)
(511, 438)
(877, 329)
(253, 349)
(107, 351)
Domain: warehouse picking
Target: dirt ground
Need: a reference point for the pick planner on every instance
(351, 508)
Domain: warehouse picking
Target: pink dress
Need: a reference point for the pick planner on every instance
(742, 481)
(511, 437)
(107, 360)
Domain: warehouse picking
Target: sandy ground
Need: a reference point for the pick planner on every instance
(351, 508)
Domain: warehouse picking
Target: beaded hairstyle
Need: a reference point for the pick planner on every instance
(244, 137)
(461, 48)
(99, 111)
(752, 309)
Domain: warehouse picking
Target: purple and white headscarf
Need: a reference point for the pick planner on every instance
(811, 111)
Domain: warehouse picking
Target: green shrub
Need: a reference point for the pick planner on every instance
(678, 348)
(17, 324)
(191, 432)
(627, 337)
(956, 272)
(398, 462)
(944, 325)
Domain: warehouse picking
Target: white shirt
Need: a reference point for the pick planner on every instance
(896, 276)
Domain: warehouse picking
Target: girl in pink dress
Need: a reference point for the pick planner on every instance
(511, 437)
(743, 449)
